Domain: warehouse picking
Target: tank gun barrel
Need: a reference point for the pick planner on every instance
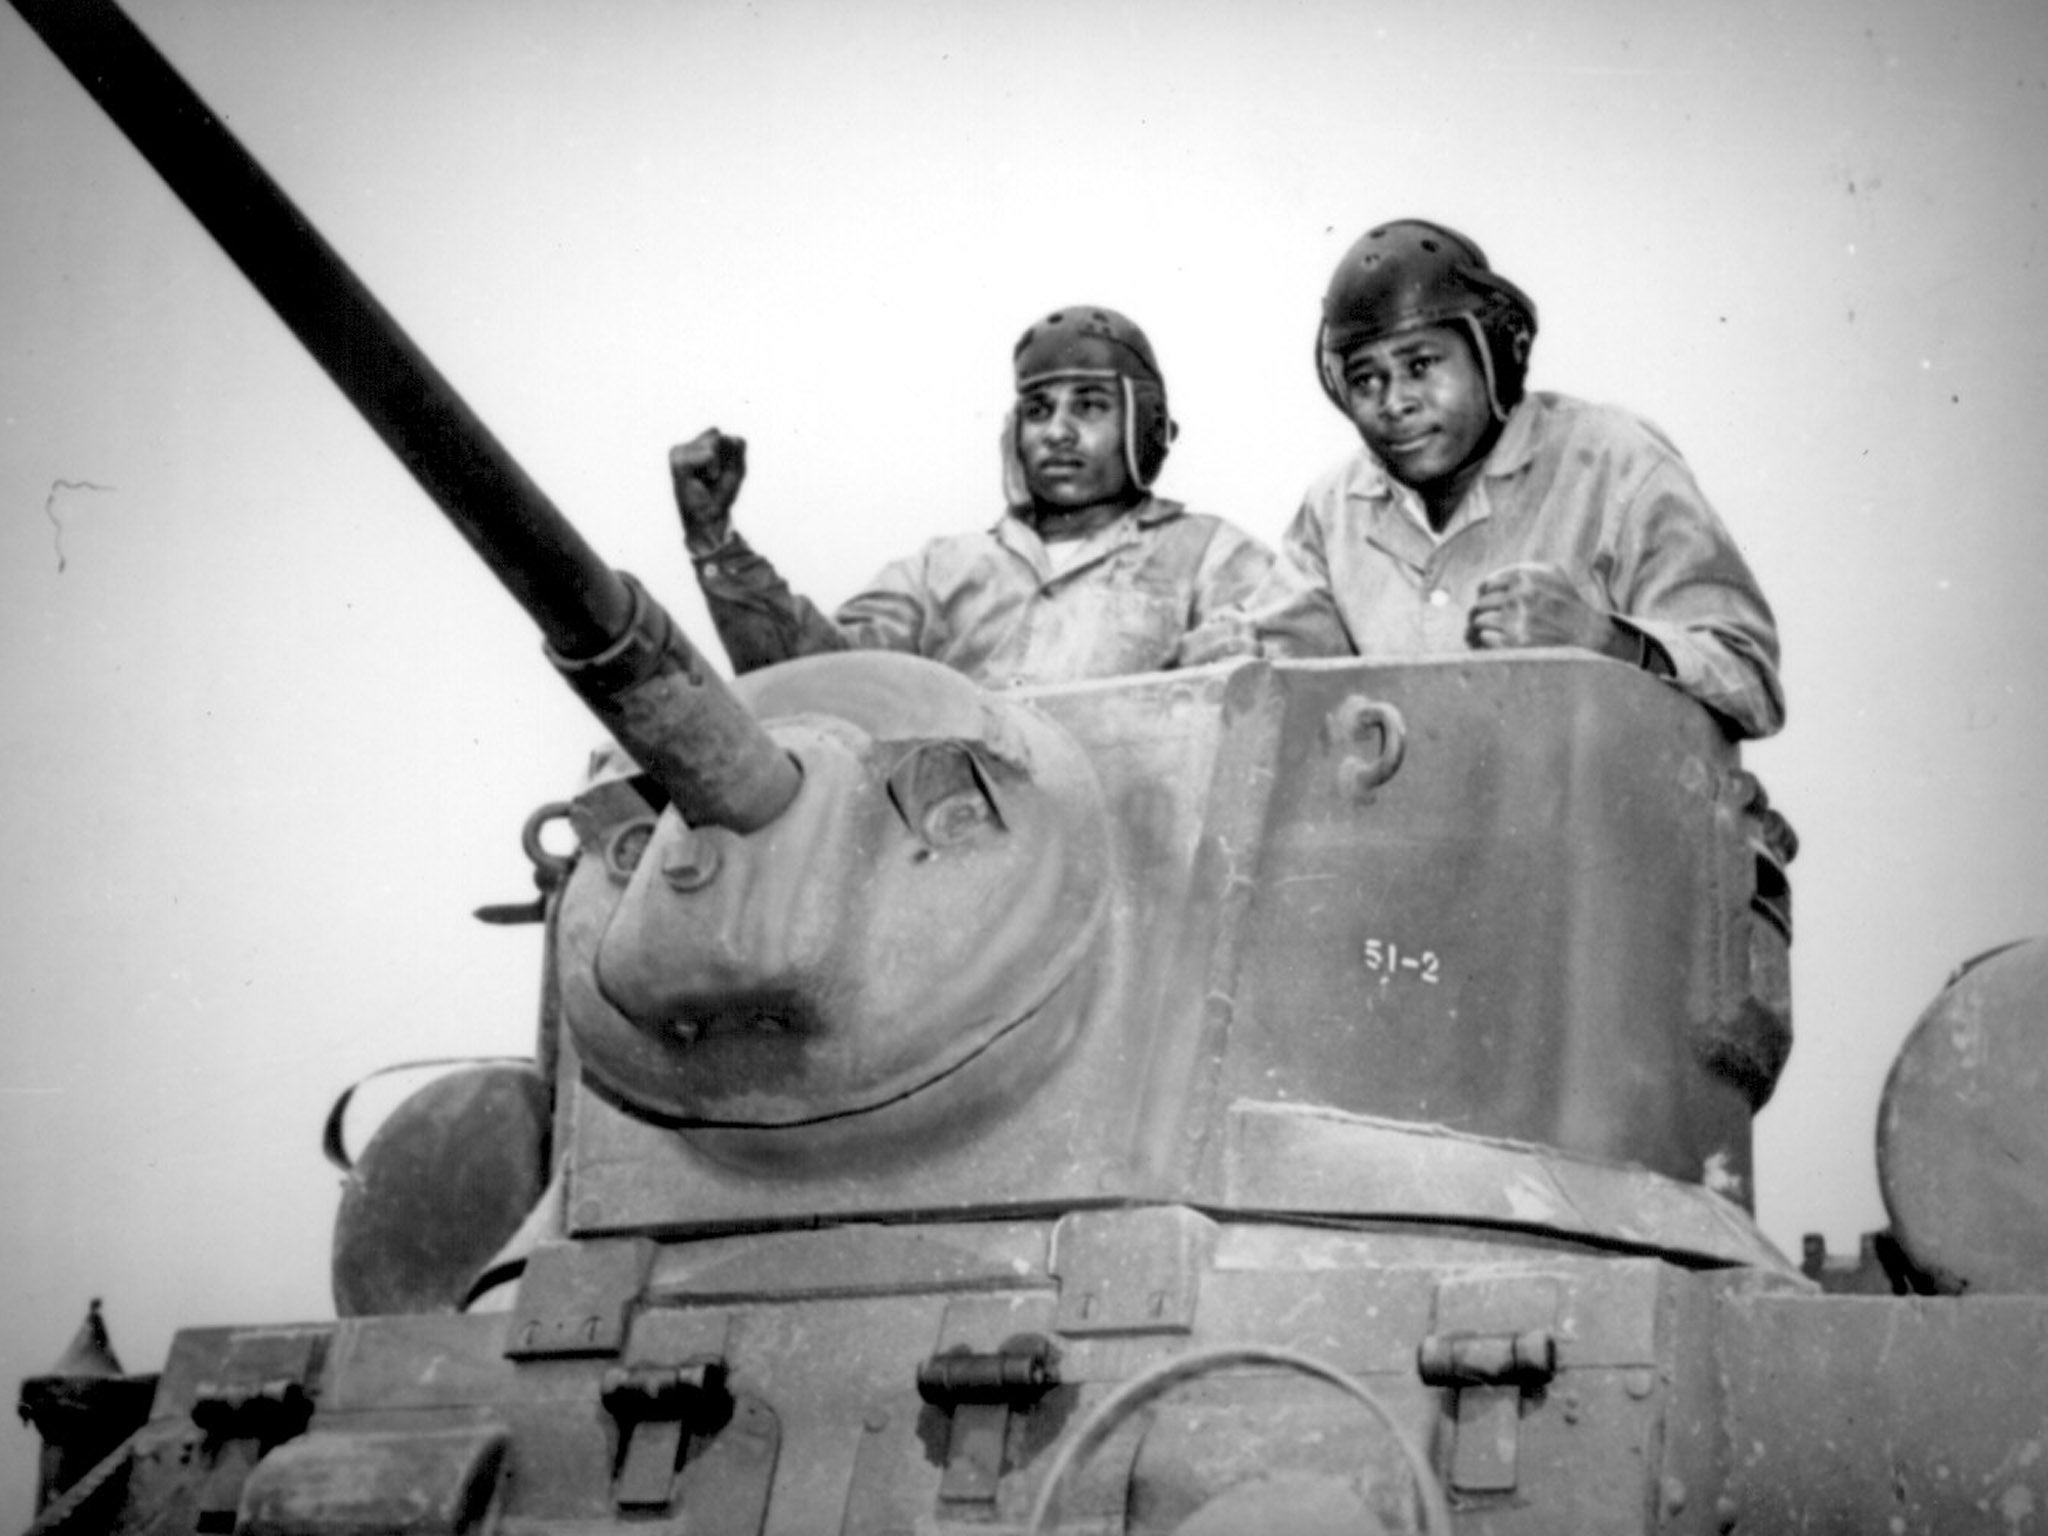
(617, 648)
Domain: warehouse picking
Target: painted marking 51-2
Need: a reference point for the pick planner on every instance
(1391, 961)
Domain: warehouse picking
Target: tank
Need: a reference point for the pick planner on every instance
(1283, 1097)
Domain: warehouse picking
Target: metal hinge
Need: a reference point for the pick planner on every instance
(980, 1392)
(1494, 1344)
(655, 1406)
(688, 1445)
(1519, 1360)
(260, 1398)
(1487, 1375)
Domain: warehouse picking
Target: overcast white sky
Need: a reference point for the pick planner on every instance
(271, 732)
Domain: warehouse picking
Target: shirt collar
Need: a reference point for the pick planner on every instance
(1016, 534)
(1149, 513)
(1511, 453)
(1154, 510)
(1517, 445)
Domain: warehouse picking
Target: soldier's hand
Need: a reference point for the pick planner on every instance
(707, 471)
(1537, 603)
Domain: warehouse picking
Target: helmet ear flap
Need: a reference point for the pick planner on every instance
(1329, 366)
(1148, 430)
(1016, 489)
(1507, 333)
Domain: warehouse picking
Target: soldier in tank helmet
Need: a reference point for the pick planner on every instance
(1086, 574)
(1480, 516)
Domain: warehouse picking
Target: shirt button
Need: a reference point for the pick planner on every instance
(1438, 598)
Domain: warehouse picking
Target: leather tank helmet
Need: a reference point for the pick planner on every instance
(1086, 341)
(1412, 274)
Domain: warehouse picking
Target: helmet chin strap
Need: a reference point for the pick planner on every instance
(1329, 366)
(1130, 392)
(1486, 365)
(1016, 489)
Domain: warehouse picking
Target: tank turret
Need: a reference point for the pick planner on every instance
(1272, 1096)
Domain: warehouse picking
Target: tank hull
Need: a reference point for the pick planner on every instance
(828, 1384)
